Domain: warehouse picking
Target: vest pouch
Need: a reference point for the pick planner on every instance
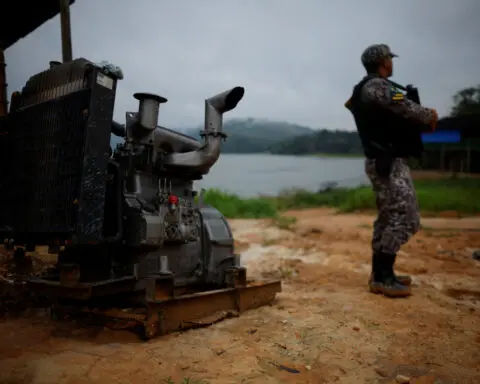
(383, 165)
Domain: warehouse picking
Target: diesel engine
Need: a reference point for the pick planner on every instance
(116, 218)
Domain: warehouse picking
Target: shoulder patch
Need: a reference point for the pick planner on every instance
(396, 94)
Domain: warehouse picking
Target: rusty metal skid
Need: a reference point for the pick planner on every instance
(169, 311)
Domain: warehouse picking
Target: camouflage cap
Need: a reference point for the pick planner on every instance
(376, 52)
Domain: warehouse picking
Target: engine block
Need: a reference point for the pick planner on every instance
(181, 218)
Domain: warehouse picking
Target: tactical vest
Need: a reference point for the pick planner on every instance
(382, 132)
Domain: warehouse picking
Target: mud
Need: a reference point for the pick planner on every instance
(324, 328)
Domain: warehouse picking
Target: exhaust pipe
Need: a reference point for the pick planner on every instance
(141, 125)
(176, 140)
(201, 160)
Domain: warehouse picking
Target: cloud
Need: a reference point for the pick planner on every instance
(297, 59)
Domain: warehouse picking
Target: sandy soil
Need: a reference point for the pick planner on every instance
(324, 328)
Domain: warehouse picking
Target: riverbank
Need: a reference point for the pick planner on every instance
(435, 195)
(338, 155)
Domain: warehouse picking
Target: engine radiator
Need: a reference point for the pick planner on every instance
(58, 147)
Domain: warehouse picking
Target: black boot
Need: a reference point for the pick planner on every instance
(383, 279)
(402, 279)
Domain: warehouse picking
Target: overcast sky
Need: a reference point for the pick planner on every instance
(297, 59)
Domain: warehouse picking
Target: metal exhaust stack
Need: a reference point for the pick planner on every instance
(143, 124)
(201, 160)
(148, 109)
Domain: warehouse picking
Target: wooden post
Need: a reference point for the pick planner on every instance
(66, 30)
(3, 86)
(469, 156)
(442, 158)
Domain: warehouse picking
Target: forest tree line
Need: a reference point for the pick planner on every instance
(465, 102)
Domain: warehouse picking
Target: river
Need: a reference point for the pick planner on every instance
(251, 175)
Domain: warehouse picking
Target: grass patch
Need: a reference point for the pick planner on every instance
(285, 222)
(233, 206)
(453, 194)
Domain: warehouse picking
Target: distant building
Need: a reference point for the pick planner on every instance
(455, 145)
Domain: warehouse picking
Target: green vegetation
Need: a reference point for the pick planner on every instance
(466, 101)
(453, 194)
(234, 206)
(285, 222)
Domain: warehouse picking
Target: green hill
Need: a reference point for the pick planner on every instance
(321, 141)
(255, 135)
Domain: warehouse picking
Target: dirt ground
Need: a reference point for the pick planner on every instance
(324, 328)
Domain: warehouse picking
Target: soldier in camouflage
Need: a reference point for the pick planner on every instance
(382, 112)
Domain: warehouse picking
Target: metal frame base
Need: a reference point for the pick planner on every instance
(164, 314)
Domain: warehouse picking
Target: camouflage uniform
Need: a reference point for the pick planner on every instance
(398, 216)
